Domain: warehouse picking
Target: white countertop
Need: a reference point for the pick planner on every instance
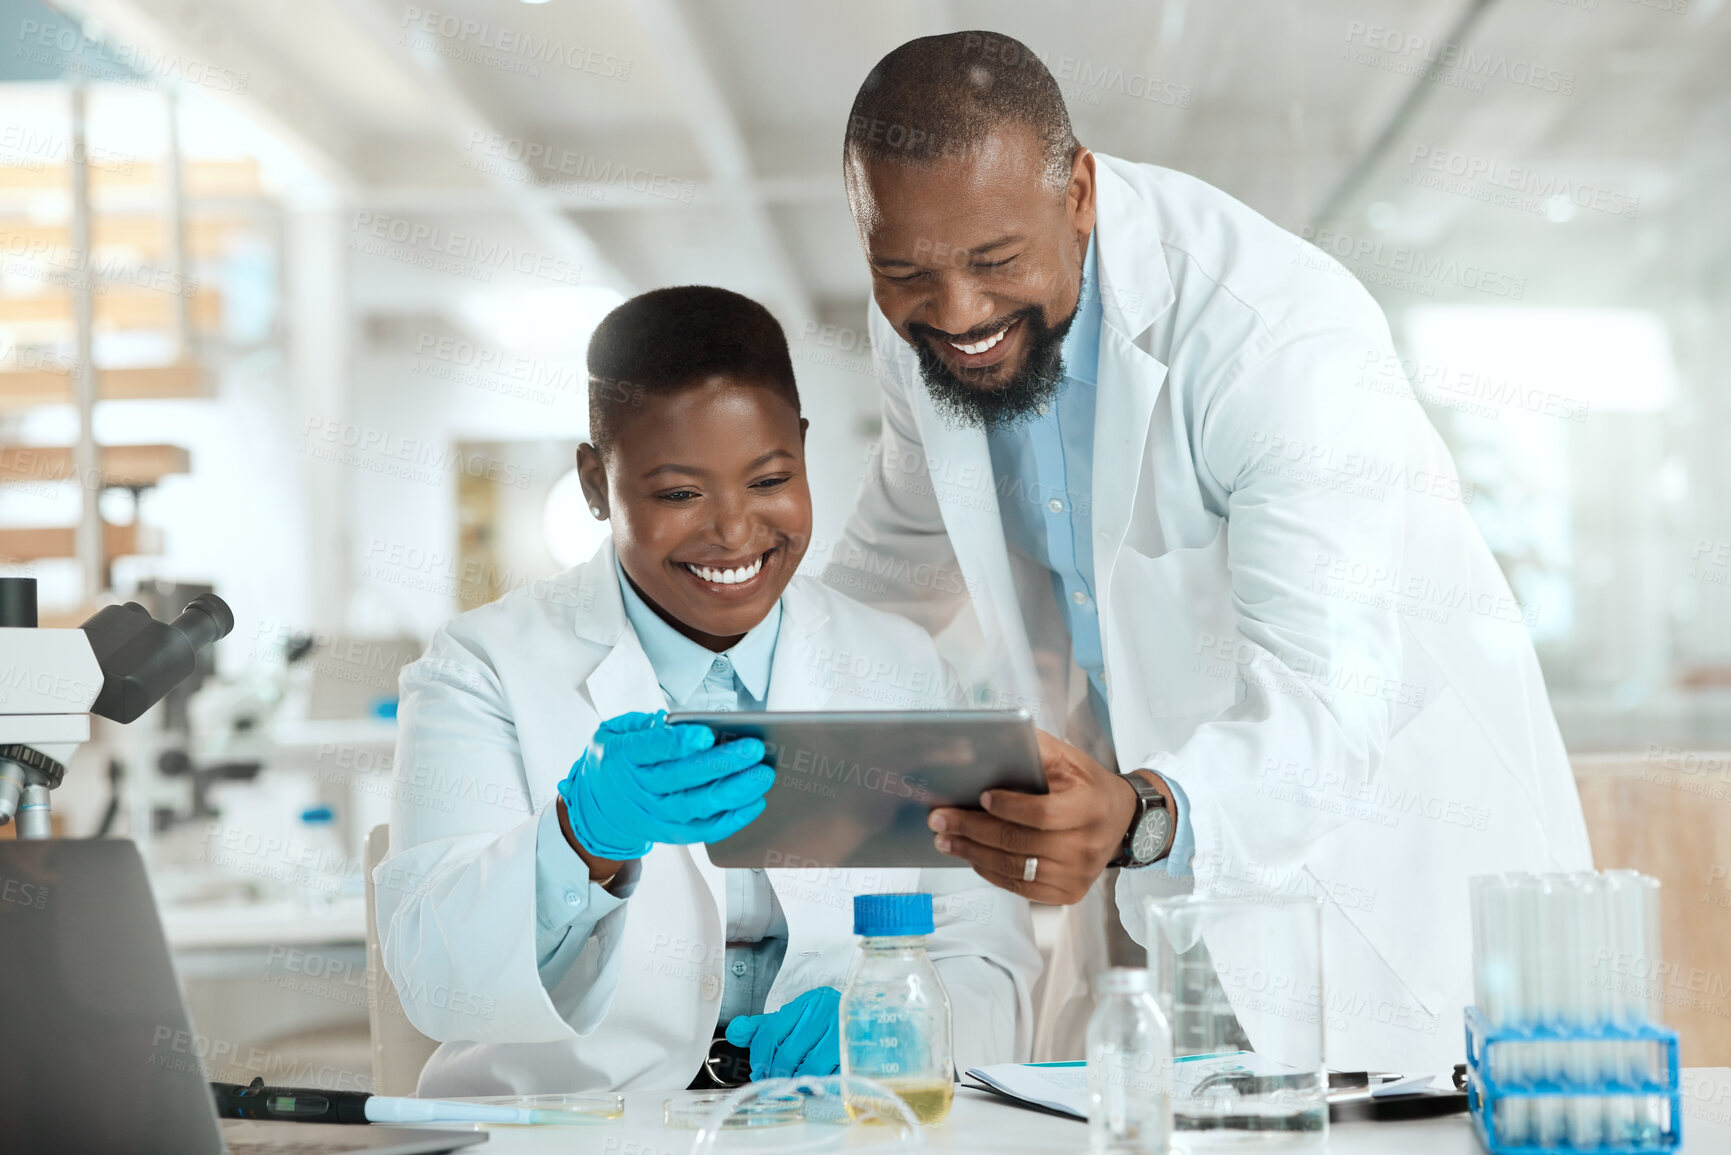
(983, 1123)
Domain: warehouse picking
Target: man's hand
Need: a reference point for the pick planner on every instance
(1074, 831)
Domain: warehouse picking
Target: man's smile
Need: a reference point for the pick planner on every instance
(983, 352)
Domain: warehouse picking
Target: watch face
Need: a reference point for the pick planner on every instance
(1151, 834)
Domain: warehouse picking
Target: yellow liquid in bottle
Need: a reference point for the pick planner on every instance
(929, 1099)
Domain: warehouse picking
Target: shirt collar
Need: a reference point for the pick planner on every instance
(681, 664)
(1082, 342)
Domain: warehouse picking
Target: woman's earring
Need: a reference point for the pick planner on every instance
(596, 510)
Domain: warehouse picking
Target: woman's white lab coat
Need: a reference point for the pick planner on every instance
(491, 719)
(1301, 624)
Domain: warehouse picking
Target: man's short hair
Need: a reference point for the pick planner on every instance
(940, 97)
(665, 340)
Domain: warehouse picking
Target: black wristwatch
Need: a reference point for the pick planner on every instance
(1150, 835)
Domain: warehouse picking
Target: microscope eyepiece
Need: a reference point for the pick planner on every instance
(18, 602)
(142, 659)
(205, 619)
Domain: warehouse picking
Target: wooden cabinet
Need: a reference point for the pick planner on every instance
(1667, 812)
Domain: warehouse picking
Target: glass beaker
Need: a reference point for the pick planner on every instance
(1241, 980)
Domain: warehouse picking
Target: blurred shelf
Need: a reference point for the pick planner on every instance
(302, 734)
(202, 178)
(21, 388)
(127, 465)
(278, 922)
(115, 308)
(42, 542)
(143, 233)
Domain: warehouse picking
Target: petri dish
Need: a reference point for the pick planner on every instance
(579, 1109)
(690, 1111)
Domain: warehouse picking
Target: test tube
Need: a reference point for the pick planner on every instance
(1493, 971)
(1477, 887)
(1546, 973)
(1582, 933)
(1615, 973)
(1508, 914)
(1654, 1118)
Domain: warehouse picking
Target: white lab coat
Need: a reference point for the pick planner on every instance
(491, 719)
(1301, 624)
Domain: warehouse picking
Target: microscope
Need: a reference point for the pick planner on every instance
(117, 665)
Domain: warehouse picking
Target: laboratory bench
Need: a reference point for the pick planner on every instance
(981, 1122)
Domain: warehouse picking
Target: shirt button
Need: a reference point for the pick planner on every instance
(738, 968)
(719, 665)
(1079, 598)
(757, 870)
(572, 898)
(1055, 506)
(710, 987)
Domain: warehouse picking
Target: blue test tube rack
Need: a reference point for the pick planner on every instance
(1484, 1093)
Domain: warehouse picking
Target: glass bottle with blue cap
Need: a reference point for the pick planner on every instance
(895, 1013)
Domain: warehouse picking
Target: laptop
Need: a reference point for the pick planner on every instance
(96, 1051)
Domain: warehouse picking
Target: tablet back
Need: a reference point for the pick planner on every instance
(853, 788)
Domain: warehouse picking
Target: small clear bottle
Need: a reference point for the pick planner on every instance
(1129, 1067)
(895, 1013)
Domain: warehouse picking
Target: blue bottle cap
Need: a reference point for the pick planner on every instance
(890, 915)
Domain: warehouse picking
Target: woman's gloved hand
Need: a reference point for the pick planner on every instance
(802, 1038)
(642, 781)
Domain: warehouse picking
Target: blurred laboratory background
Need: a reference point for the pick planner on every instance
(294, 296)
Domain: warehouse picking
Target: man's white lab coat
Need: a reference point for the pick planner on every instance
(491, 719)
(1301, 624)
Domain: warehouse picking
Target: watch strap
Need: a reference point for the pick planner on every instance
(1148, 797)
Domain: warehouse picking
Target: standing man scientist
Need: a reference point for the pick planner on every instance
(1227, 567)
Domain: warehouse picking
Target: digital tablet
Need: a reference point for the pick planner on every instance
(853, 788)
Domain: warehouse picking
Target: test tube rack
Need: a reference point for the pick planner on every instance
(1486, 1094)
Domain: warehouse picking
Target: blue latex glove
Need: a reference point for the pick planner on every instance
(642, 781)
(802, 1038)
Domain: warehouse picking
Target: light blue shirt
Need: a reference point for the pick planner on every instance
(1044, 470)
(568, 905)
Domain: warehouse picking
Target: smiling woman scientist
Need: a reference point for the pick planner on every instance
(547, 910)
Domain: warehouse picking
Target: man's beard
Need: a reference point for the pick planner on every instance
(1004, 406)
